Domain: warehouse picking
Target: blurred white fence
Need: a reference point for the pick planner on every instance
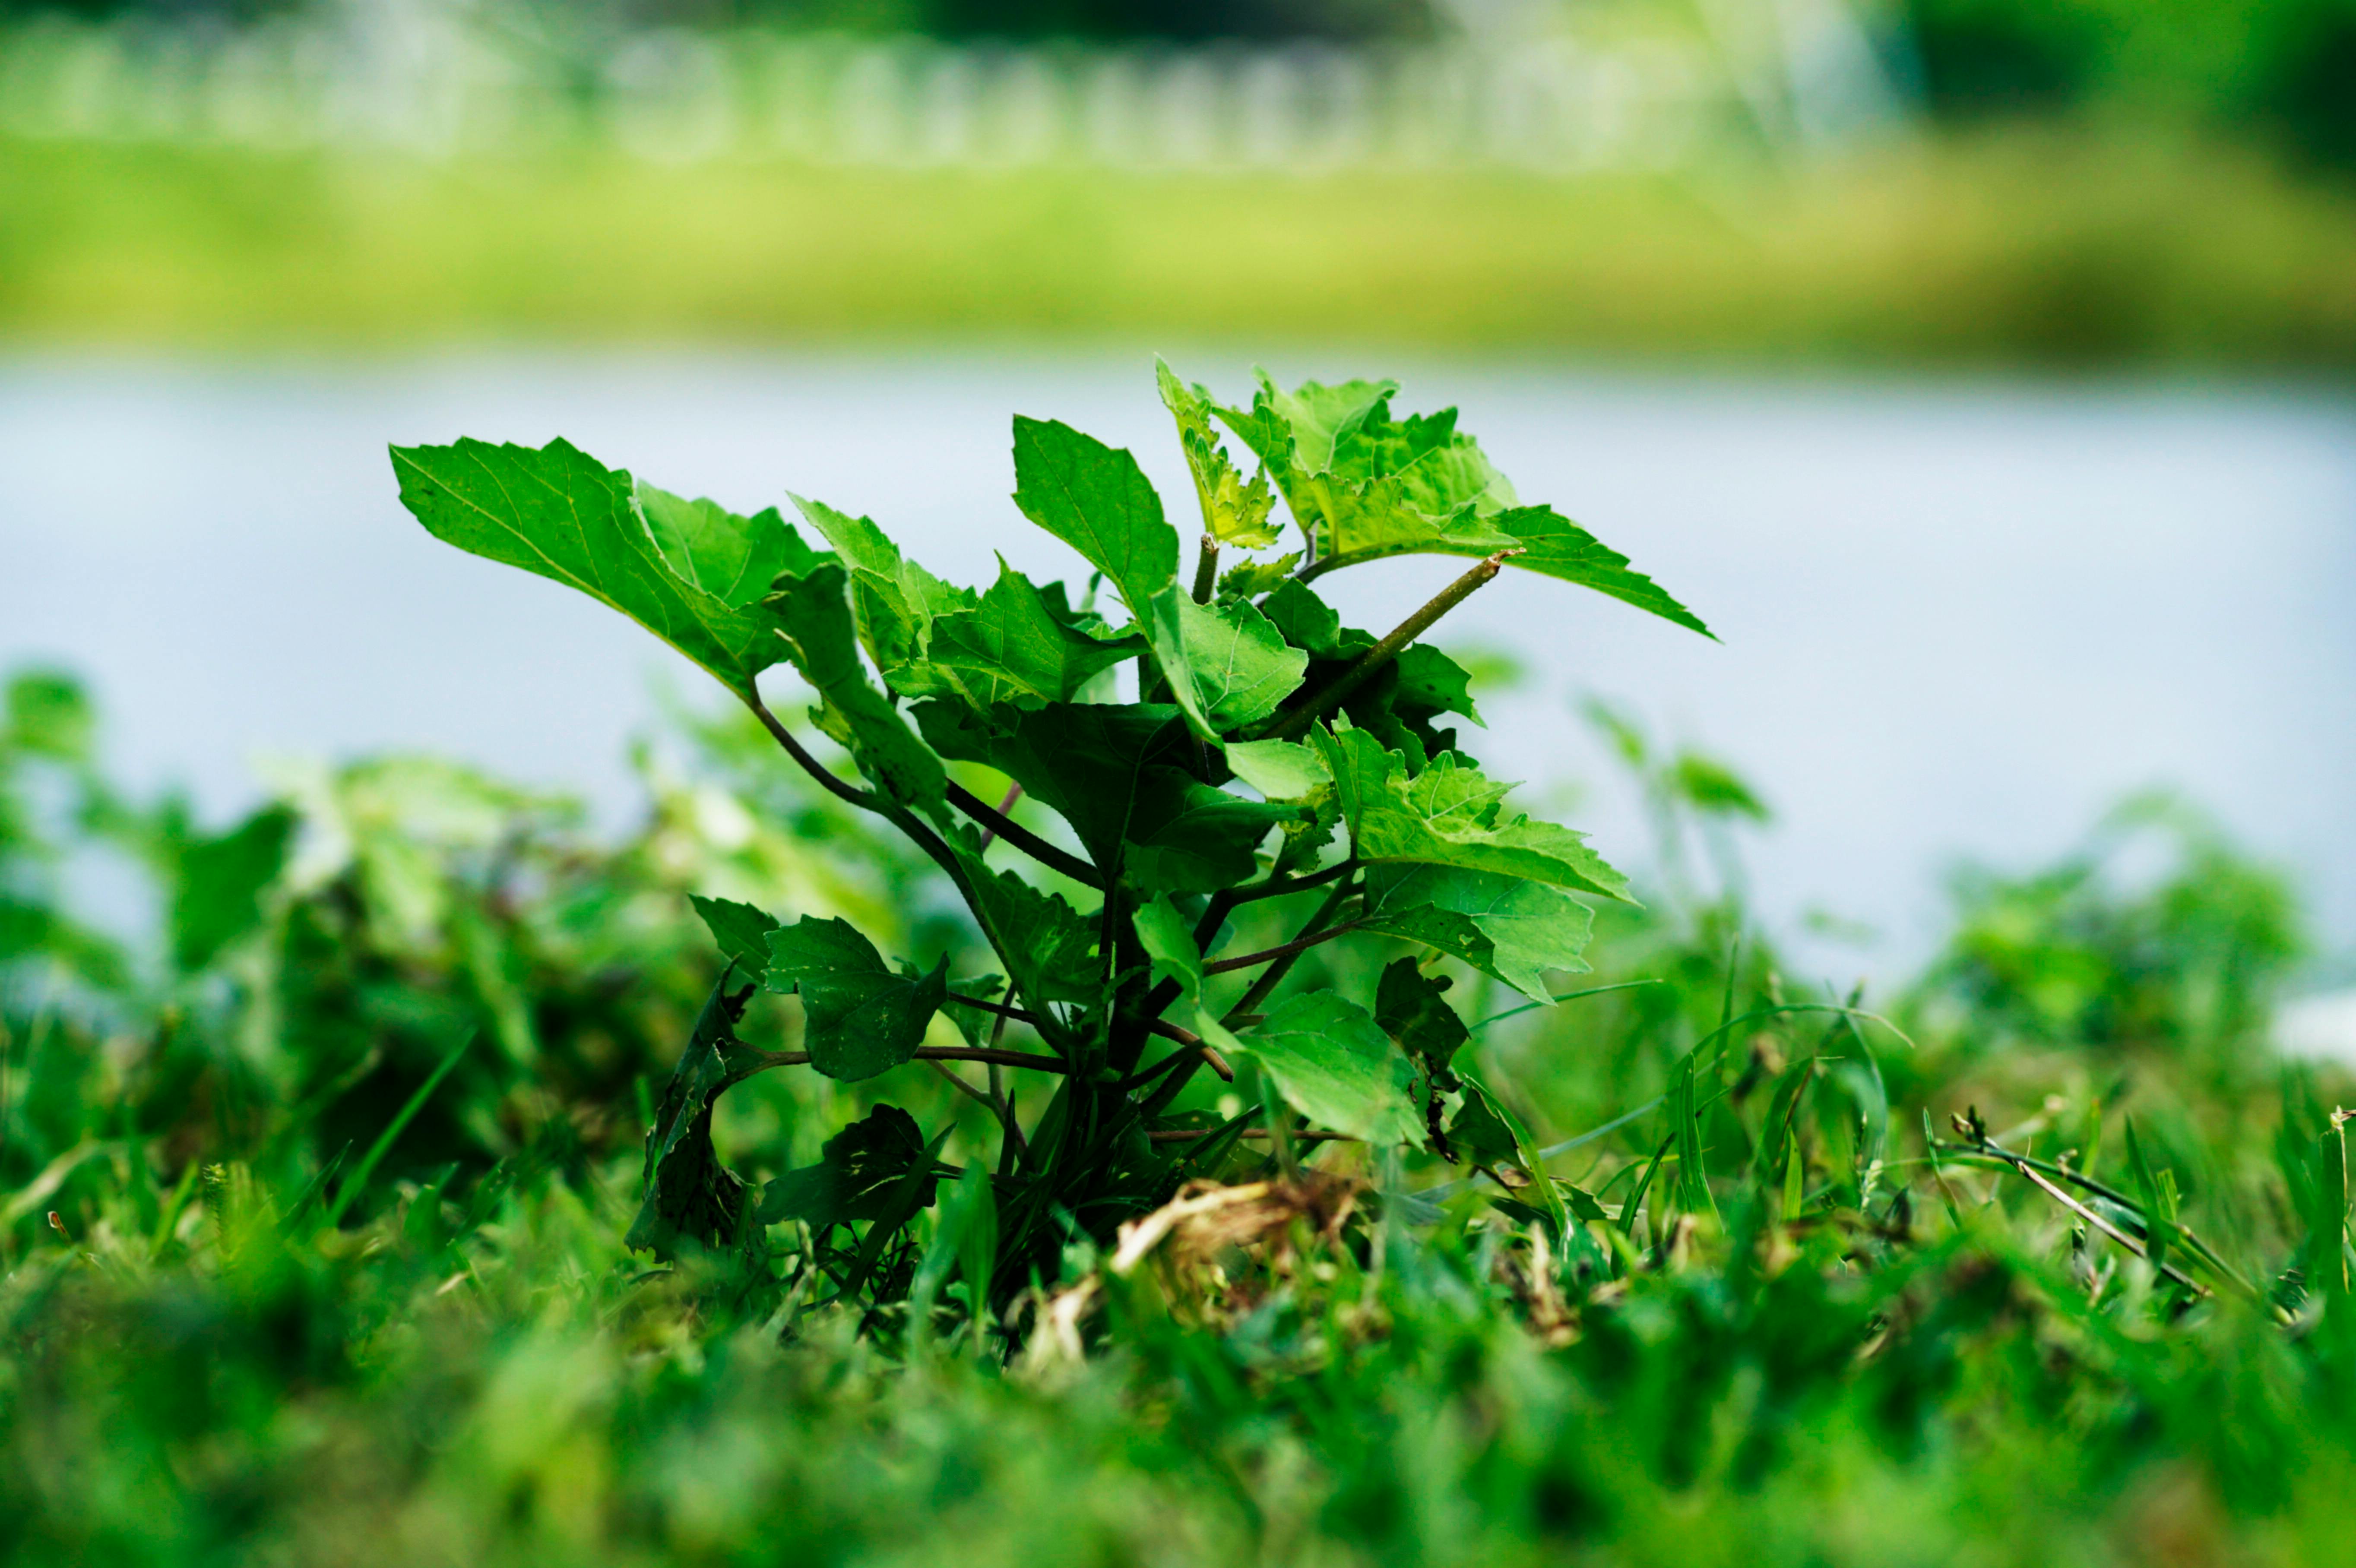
(1795, 75)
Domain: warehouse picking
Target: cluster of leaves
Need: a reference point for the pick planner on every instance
(1207, 745)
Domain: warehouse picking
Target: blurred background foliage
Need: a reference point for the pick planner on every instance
(227, 1334)
(1920, 181)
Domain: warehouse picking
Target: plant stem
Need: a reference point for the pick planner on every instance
(840, 788)
(1023, 838)
(868, 800)
(967, 1090)
(1155, 1025)
(1293, 725)
(1298, 946)
(1030, 1058)
(1005, 804)
(1206, 569)
(1273, 976)
(1184, 1135)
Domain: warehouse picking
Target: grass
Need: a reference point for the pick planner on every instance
(1840, 1345)
(2055, 246)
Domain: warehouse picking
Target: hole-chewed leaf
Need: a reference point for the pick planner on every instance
(860, 1016)
(690, 1195)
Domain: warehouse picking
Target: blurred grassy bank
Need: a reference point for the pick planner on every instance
(2048, 247)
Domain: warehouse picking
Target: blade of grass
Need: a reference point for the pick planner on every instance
(393, 1129)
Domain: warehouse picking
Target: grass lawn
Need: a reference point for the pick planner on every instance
(2042, 248)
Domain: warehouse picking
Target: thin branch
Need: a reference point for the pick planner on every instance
(1030, 1058)
(1013, 794)
(1296, 722)
(1184, 1135)
(836, 785)
(1298, 946)
(882, 806)
(1023, 838)
(1155, 1025)
(967, 1090)
(1273, 976)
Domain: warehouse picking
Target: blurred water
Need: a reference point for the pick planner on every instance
(1957, 618)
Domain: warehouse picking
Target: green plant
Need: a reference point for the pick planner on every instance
(1362, 808)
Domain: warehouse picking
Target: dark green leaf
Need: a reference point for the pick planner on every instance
(859, 1016)
(1082, 761)
(857, 1173)
(1504, 926)
(1525, 1149)
(1429, 682)
(1412, 1010)
(1043, 942)
(742, 931)
(1304, 619)
(689, 1193)
(1187, 836)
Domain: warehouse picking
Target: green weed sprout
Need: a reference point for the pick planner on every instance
(1263, 751)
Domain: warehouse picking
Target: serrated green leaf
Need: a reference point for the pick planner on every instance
(734, 559)
(1226, 664)
(1252, 579)
(559, 513)
(1363, 485)
(689, 1194)
(894, 600)
(1168, 939)
(1012, 648)
(1449, 814)
(1411, 1009)
(1097, 499)
(813, 618)
(1234, 512)
(1504, 926)
(1334, 1063)
(741, 929)
(858, 1175)
(1553, 546)
(859, 1016)
(1279, 770)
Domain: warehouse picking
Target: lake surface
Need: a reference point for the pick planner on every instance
(1958, 619)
